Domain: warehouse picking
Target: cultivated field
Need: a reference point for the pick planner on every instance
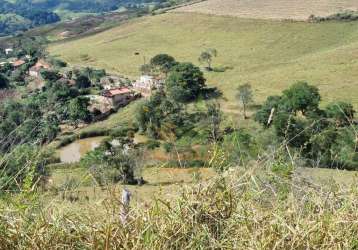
(272, 9)
(267, 54)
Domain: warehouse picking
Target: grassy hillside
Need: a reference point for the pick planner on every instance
(269, 55)
(272, 9)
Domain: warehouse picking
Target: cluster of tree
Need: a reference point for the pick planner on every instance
(25, 122)
(325, 137)
(24, 168)
(23, 15)
(35, 118)
(160, 117)
(346, 16)
(111, 163)
(20, 15)
(164, 113)
(28, 49)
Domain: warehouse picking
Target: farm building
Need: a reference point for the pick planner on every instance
(119, 96)
(34, 71)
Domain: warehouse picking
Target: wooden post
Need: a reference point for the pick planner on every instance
(271, 116)
(126, 198)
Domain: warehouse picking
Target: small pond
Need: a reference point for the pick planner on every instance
(76, 150)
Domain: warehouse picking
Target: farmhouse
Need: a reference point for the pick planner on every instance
(147, 83)
(119, 96)
(34, 71)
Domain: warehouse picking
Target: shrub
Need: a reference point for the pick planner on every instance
(152, 144)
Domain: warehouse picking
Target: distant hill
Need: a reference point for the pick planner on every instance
(272, 9)
(20, 15)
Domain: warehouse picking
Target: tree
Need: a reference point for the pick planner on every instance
(185, 82)
(4, 82)
(302, 97)
(163, 63)
(342, 112)
(112, 164)
(214, 119)
(323, 142)
(145, 69)
(245, 96)
(207, 57)
(6, 68)
(50, 75)
(268, 109)
(83, 81)
(78, 111)
(23, 168)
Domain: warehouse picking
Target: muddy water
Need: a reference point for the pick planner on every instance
(74, 151)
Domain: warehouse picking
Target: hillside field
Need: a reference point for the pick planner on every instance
(272, 9)
(269, 55)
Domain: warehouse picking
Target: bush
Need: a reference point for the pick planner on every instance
(152, 144)
(93, 133)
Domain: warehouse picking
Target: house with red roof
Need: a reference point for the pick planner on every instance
(119, 96)
(34, 71)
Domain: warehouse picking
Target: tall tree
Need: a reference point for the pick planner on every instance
(245, 96)
(185, 82)
(83, 82)
(163, 63)
(302, 97)
(78, 111)
(207, 57)
(4, 82)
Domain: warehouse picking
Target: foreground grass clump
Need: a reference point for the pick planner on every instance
(244, 211)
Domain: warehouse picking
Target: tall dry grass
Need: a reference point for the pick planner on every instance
(241, 210)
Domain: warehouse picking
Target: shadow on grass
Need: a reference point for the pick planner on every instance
(210, 93)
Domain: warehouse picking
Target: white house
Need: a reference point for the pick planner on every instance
(146, 83)
(8, 51)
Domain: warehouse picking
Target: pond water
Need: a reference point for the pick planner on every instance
(73, 152)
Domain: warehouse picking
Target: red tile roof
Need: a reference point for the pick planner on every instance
(117, 91)
(18, 63)
(41, 64)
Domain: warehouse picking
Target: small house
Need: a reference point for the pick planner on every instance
(34, 71)
(119, 96)
(9, 51)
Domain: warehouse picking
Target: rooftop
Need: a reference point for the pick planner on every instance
(18, 63)
(117, 91)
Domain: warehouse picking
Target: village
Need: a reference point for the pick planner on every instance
(106, 92)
